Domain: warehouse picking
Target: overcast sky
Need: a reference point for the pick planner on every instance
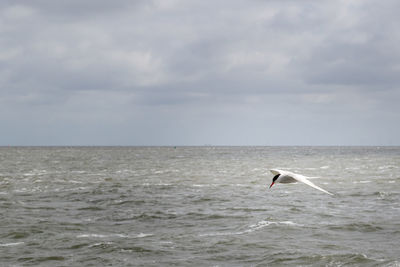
(195, 72)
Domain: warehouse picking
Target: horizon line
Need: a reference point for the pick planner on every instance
(205, 145)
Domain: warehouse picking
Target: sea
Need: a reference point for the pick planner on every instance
(198, 206)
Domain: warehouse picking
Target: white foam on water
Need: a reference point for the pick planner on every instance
(211, 185)
(220, 234)
(262, 224)
(140, 235)
(91, 235)
(384, 167)
(11, 244)
(361, 182)
(166, 242)
(75, 182)
(201, 185)
(35, 173)
(291, 223)
(254, 227)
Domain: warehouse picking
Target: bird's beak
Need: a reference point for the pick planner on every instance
(272, 184)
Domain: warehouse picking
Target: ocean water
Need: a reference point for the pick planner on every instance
(198, 206)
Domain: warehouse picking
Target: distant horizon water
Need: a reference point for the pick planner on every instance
(189, 145)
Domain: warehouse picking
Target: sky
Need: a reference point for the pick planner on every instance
(194, 72)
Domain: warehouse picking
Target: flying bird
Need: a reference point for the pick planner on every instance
(286, 177)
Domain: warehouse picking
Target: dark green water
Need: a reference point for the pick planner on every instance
(198, 206)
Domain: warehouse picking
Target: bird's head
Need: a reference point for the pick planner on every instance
(274, 180)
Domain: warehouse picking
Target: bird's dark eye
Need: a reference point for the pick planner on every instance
(275, 177)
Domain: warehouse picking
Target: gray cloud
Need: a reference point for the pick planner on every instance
(191, 72)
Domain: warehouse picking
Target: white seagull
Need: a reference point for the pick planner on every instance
(286, 177)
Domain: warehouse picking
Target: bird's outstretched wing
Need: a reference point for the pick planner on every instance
(299, 178)
(303, 179)
(275, 171)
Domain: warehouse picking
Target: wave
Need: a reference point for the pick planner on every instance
(156, 184)
(248, 209)
(393, 264)
(255, 227)
(362, 182)
(11, 244)
(385, 167)
(360, 227)
(223, 185)
(101, 236)
(357, 259)
(35, 173)
(379, 194)
(262, 224)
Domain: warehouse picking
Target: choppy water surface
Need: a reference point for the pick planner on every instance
(201, 206)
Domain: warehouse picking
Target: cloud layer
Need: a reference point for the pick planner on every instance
(173, 72)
